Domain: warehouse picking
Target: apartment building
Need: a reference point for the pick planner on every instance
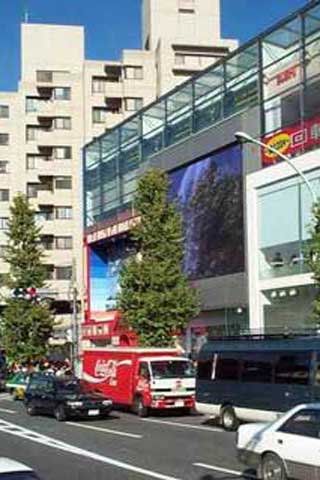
(64, 100)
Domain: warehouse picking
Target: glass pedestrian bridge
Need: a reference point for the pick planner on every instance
(278, 71)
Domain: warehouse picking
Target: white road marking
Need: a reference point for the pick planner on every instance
(6, 410)
(33, 436)
(105, 430)
(236, 473)
(182, 425)
(5, 396)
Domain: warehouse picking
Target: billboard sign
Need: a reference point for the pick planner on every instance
(292, 140)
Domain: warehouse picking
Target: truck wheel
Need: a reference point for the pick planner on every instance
(229, 419)
(272, 468)
(60, 413)
(31, 409)
(141, 410)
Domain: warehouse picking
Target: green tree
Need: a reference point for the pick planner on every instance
(26, 324)
(155, 297)
(313, 254)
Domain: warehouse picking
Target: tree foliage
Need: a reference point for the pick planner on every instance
(155, 297)
(314, 255)
(26, 324)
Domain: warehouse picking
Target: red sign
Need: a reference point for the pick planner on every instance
(292, 141)
(113, 230)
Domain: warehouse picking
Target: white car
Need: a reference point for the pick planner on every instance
(12, 470)
(284, 449)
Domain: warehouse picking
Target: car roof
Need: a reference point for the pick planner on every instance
(7, 465)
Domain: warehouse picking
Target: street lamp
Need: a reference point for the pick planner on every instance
(245, 136)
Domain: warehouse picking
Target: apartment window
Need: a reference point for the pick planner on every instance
(63, 183)
(98, 85)
(44, 76)
(64, 213)
(49, 269)
(98, 115)
(31, 162)
(133, 104)
(45, 213)
(62, 93)
(32, 190)
(186, 6)
(4, 138)
(64, 273)
(31, 134)
(4, 195)
(3, 167)
(31, 104)
(2, 250)
(62, 153)
(133, 73)
(62, 123)
(113, 104)
(4, 111)
(4, 223)
(63, 243)
(47, 242)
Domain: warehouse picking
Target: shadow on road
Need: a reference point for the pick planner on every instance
(246, 475)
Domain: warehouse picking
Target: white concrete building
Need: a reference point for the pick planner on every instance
(279, 219)
(64, 100)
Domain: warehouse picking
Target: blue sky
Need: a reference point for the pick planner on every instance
(115, 24)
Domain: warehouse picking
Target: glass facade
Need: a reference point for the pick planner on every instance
(278, 71)
(285, 216)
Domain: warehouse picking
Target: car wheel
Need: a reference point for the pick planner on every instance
(60, 413)
(141, 410)
(229, 419)
(31, 409)
(272, 468)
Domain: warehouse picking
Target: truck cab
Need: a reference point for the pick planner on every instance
(164, 382)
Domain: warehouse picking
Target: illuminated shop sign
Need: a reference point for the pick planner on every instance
(292, 140)
(113, 230)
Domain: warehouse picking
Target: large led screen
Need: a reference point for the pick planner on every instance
(208, 193)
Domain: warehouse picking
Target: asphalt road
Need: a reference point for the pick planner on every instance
(121, 447)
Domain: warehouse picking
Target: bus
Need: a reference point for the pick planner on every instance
(256, 379)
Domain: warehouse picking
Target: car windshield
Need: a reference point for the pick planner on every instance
(172, 368)
(72, 386)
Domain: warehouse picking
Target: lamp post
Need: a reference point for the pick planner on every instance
(249, 139)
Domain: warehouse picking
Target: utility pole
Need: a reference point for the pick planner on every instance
(74, 324)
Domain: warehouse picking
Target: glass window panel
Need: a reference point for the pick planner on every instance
(180, 100)
(281, 42)
(208, 112)
(279, 216)
(306, 206)
(110, 143)
(209, 83)
(130, 130)
(243, 63)
(279, 231)
(312, 21)
(312, 58)
(179, 127)
(92, 154)
(283, 75)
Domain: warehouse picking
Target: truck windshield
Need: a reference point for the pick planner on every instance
(172, 369)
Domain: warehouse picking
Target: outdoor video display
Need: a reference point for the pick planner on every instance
(208, 194)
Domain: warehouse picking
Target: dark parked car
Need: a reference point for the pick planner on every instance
(63, 398)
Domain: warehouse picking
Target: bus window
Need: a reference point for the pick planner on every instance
(227, 368)
(204, 369)
(257, 367)
(293, 369)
